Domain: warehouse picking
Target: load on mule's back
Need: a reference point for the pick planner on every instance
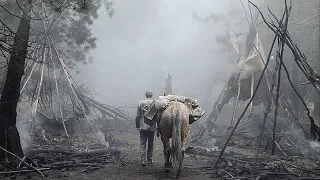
(173, 114)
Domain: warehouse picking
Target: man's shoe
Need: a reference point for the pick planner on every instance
(149, 161)
(143, 163)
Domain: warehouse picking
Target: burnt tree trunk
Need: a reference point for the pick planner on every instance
(168, 89)
(9, 135)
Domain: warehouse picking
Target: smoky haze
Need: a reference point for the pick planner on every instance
(146, 40)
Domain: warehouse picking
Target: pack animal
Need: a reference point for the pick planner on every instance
(173, 123)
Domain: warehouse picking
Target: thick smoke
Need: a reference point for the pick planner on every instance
(23, 126)
(144, 41)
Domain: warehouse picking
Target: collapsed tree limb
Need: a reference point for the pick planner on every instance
(38, 90)
(277, 68)
(104, 125)
(73, 165)
(34, 168)
(27, 158)
(96, 153)
(24, 171)
(59, 98)
(247, 106)
(46, 29)
(63, 66)
(28, 78)
(105, 109)
(280, 56)
(39, 151)
(300, 60)
(84, 98)
(266, 112)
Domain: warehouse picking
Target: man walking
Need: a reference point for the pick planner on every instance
(146, 131)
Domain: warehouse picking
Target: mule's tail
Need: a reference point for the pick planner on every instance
(176, 142)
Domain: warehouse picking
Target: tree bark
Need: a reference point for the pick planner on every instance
(9, 135)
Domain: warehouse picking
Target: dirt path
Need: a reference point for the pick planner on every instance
(193, 168)
(129, 167)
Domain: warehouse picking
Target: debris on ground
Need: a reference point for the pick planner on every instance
(237, 164)
(47, 155)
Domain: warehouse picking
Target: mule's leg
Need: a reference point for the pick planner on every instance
(150, 146)
(166, 151)
(184, 133)
(184, 143)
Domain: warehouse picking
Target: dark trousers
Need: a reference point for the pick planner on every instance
(146, 136)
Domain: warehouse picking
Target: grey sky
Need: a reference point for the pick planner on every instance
(145, 40)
